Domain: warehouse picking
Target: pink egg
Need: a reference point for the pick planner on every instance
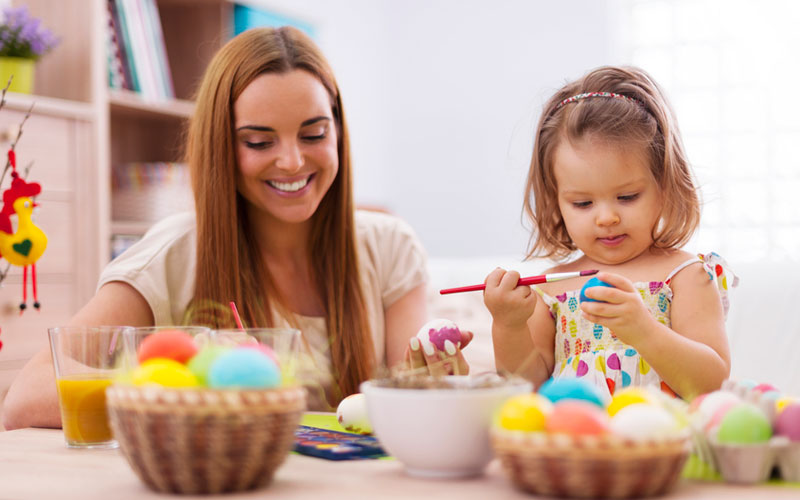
(764, 388)
(577, 418)
(788, 422)
(265, 349)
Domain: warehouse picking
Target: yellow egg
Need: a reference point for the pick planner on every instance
(781, 403)
(164, 372)
(628, 396)
(526, 412)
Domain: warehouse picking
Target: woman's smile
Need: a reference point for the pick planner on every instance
(291, 187)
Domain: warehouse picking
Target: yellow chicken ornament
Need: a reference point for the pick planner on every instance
(24, 246)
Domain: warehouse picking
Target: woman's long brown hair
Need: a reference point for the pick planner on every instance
(229, 264)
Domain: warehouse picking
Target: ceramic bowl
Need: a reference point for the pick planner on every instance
(439, 431)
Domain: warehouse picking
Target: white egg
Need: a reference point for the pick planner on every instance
(712, 402)
(352, 414)
(643, 421)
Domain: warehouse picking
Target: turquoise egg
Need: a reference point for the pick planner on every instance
(589, 284)
(201, 363)
(743, 424)
(244, 368)
(571, 388)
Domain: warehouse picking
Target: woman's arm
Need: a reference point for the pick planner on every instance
(403, 319)
(32, 399)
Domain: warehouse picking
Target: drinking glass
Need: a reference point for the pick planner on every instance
(86, 360)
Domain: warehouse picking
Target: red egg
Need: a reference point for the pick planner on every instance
(577, 418)
(170, 344)
(788, 422)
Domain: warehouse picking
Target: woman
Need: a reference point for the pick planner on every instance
(274, 230)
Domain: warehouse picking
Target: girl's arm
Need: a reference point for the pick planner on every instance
(693, 356)
(32, 399)
(520, 329)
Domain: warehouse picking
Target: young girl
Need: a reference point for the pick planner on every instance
(609, 188)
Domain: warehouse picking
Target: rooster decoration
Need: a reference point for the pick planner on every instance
(24, 246)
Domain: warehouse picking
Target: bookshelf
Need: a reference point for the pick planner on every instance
(80, 129)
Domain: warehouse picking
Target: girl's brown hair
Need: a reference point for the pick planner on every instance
(229, 264)
(648, 123)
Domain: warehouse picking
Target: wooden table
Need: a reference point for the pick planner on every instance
(35, 464)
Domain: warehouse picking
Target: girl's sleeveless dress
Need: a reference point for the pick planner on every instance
(587, 350)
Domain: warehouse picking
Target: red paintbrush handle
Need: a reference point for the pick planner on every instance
(530, 280)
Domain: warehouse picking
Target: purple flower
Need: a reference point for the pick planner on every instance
(23, 36)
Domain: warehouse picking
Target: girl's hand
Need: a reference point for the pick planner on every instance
(621, 310)
(423, 358)
(509, 304)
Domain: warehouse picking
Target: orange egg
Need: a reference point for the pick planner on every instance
(577, 418)
(169, 344)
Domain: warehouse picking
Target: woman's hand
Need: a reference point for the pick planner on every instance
(510, 305)
(621, 309)
(423, 358)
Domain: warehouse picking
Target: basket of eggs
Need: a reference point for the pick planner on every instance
(566, 441)
(197, 413)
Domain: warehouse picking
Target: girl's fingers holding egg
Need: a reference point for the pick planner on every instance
(616, 281)
(433, 359)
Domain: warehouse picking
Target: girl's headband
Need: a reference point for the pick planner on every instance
(587, 95)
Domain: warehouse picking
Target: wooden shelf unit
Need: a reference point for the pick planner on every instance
(78, 130)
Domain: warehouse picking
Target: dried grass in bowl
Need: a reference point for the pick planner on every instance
(589, 467)
(204, 441)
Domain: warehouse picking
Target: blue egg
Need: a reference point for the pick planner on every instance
(589, 284)
(243, 368)
(571, 388)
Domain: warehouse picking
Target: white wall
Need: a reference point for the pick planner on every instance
(442, 98)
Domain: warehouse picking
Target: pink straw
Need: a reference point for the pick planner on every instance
(236, 316)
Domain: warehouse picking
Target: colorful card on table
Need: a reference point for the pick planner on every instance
(335, 445)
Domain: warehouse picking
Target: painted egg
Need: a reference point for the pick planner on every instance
(571, 388)
(629, 396)
(437, 331)
(577, 418)
(744, 423)
(589, 284)
(352, 414)
(243, 368)
(765, 388)
(712, 401)
(264, 349)
(164, 372)
(171, 344)
(200, 364)
(783, 402)
(525, 412)
(788, 422)
(641, 421)
(718, 415)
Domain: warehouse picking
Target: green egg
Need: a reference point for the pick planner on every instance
(201, 362)
(744, 424)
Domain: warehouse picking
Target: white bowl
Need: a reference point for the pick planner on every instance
(438, 432)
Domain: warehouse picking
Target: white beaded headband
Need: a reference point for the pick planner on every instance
(587, 95)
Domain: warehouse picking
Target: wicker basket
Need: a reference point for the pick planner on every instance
(589, 467)
(204, 441)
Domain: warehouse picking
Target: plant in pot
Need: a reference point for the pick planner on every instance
(23, 40)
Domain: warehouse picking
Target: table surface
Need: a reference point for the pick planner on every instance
(34, 463)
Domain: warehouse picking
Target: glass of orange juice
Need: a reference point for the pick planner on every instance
(86, 360)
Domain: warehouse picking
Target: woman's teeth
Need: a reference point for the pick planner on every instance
(289, 187)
